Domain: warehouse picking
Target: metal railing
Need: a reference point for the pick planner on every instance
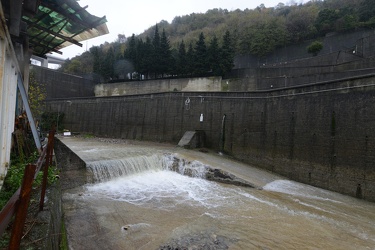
(19, 202)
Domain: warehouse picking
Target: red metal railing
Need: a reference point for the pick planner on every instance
(19, 202)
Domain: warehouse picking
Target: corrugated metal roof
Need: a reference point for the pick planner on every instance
(60, 23)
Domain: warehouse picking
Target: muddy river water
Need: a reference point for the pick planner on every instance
(137, 203)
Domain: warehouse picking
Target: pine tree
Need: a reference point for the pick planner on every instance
(227, 54)
(108, 73)
(201, 65)
(140, 55)
(165, 54)
(131, 52)
(182, 66)
(214, 56)
(156, 54)
(145, 55)
(190, 59)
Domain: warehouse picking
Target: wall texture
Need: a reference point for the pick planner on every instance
(60, 85)
(327, 67)
(162, 85)
(321, 134)
(361, 41)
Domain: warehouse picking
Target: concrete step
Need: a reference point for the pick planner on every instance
(192, 139)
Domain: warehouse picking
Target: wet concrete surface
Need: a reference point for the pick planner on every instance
(203, 215)
(94, 224)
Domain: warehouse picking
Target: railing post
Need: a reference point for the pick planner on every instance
(21, 211)
(48, 162)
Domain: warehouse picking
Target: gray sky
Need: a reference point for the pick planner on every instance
(135, 16)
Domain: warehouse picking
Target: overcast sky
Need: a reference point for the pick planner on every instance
(135, 16)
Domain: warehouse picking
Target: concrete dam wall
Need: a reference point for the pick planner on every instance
(321, 134)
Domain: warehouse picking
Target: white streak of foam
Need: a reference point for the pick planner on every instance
(302, 190)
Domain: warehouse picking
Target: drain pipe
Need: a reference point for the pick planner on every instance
(222, 134)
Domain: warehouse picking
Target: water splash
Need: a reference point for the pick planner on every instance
(110, 169)
(105, 170)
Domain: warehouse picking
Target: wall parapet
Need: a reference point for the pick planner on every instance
(158, 85)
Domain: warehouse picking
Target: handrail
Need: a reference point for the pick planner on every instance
(19, 202)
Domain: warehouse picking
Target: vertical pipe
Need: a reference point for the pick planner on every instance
(222, 134)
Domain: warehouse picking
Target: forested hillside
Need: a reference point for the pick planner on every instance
(205, 43)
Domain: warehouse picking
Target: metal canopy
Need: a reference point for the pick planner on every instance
(60, 23)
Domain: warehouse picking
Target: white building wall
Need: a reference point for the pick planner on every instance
(8, 95)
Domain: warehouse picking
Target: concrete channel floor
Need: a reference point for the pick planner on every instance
(90, 223)
(165, 210)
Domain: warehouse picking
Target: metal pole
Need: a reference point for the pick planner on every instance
(28, 112)
(21, 214)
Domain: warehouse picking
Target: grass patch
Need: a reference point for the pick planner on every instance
(13, 179)
(88, 136)
(64, 238)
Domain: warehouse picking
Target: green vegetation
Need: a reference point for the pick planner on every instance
(259, 32)
(88, 136)
(14, 177)
(37, 95)
(64, 238)
(156, 59)
(315, 47)
(52, 118)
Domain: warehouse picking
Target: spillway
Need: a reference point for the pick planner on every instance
(154, 196)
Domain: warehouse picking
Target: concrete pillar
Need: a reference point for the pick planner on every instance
(8, 92)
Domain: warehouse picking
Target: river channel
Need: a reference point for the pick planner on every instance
(138, 202)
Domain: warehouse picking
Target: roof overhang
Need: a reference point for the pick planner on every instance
(50, 25)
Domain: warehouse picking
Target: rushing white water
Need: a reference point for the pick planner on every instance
(110, 169)
(139, 203)
(104, 170)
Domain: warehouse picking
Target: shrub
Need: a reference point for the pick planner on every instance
(315, 47)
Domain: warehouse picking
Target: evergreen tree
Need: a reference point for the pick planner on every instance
(165, 55)
(173, 62)
(227, 54)
(131, 52)
(156, 54)
(98, 61)
(190, 59)
(201, 65)
(140, 56)
(145, 55)
(182, 65)
(108, 73)
(214, 56)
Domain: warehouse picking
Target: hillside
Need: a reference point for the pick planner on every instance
(257, 32)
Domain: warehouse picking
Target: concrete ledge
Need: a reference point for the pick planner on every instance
(73, 169)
